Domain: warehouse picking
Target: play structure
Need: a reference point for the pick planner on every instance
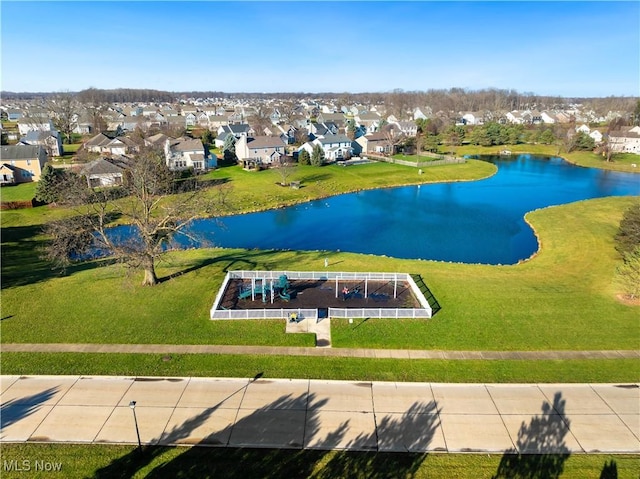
(267, 289)
(320, 294)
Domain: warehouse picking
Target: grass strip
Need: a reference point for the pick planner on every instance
(112, 461)
(303, 367)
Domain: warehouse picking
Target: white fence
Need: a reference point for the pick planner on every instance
(265, 314)
(379, 313)
(424, 312)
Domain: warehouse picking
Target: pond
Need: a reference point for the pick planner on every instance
(471, 222)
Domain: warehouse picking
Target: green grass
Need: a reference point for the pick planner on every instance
(329, 368)
(564, 298)
(253, 191)
(21, 192)
(113, 461)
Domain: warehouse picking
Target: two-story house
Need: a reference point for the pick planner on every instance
(184, 153)
(261, 150)
(49, 140)
(21, 163)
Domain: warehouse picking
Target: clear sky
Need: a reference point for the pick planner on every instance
(567, 48)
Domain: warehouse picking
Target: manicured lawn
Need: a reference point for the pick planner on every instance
(252, 191)
(564, 298)
(330, 368)
(113, 461)
(21, 192)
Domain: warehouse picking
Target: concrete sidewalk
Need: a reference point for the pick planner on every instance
(314, 414)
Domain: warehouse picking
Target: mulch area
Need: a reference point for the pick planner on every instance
(309, 294)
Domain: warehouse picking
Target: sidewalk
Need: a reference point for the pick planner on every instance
(313, 414)
(318, 351)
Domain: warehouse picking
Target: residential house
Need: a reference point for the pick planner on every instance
(21, 163)
(378, 142)
(371, 121)
(407, 128)
(261, 150)
(156, 141)
(14, 115)
(626, 140)
(110, 145)
(216, 121)
(50, 140)
(27, 124)
(237, 130)
(183, 153)
(548, 117)
(105, 172)
(472, 118)
(335, 147)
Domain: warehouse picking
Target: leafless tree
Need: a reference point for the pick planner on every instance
(64, 109)
(285, 169)
(148, 203)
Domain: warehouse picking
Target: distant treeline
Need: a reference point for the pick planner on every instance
(397, 101)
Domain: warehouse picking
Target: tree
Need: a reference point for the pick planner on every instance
(628, 236)
(629, 274)
(351, 129)
(317, 156)
(65, 110)
(547, 137)
(582, 141)
(229, 149)
(208, 137)
(284, 169)
(48, 187)
(156, 215)
(304, 158)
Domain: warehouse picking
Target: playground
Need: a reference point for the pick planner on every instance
(373, 294)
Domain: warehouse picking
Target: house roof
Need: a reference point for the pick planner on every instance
(99, 140)
(101, 166)
(20, 152)
(187, 144)
(335, 139)
(265, 142)
(38, 135)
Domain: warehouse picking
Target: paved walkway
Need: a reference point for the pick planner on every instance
(320, 351)
(365, 416)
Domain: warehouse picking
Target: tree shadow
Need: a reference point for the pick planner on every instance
(245, 450)
(16, 409)
(23, 262)
(540, 450)
(609, 470)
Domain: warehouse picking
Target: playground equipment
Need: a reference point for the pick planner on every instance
(266, 289)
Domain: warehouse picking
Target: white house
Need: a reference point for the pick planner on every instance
(626, 140)
(25, 125)
(335, 147)
(183, 153)
(50, 140)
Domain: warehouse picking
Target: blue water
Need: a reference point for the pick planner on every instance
(470, 222)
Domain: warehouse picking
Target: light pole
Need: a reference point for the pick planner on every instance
(132, 405)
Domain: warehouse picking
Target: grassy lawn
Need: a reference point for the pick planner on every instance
(329, 368)
(112, 461)
(22, 192)
(564, 298)
(253, 191)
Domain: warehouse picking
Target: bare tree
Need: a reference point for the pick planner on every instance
(147, 202)
(64, 110)
(285, 169)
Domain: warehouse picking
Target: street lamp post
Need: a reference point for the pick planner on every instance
(132, 405)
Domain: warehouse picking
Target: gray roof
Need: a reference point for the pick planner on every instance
(101, 166)
(37, 135)
(20, 152)
(265, 142)
(335, 139)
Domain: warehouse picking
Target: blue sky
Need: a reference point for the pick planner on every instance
(567, 48)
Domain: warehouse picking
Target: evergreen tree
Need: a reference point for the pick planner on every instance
(304, 158)
(317, 156)
(47, 189)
